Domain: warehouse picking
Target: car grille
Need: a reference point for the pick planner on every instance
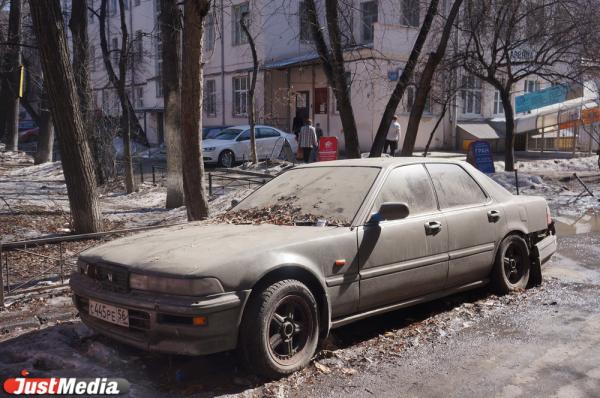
(111, 277)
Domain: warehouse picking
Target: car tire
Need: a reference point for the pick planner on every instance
(512, 268)
(226, 159)
(280, 329)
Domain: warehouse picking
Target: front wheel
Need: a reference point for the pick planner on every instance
(226, 159)
(513, 265)
(280, 329)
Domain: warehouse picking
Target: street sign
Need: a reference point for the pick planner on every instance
(539, 99)
(328, 149)
(480, 156)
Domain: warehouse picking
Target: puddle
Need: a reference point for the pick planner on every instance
(586, 223)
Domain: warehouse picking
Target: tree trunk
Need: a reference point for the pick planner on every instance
(403, 81)
(13, 63)
(125, 105)
(171, 55)
(424, 87)
(64, 104)
(333, 66)
(251, 111)
(78, 25)
(45, 147)
(509, 143)
(191, 109)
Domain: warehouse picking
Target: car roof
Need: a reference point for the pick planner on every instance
(383, 162)
(247, 126)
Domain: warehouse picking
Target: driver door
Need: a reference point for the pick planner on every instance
(407, 258)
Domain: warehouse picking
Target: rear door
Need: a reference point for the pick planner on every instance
(406, 258)
(474, 222)
(268, 139)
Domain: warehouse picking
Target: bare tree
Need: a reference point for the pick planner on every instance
(170, 34)
(10, 82)
(64, 104)
(128, 119)
(332, 60)
(194, 12)
(424, 85)
(251, 100)
(403, 81)
(45, 147)
(506, 41)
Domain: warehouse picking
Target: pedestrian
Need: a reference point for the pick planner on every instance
(315, 152)
(393, 137)
(296, 125)
(307, 140)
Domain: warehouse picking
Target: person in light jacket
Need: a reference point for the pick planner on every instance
(393, 137)
(307, 140)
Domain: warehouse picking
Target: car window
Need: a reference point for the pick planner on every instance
(213, 132)
(265, 132)
(228, 134)
(245, 136)
(411, 185)
(454, 186)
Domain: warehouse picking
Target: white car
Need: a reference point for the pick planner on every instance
(233, 144)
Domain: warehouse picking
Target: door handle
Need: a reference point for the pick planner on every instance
(433, 227)
(493, 215)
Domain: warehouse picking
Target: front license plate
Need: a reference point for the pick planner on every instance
(109, 313)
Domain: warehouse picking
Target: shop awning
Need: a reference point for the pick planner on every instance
(482, 131)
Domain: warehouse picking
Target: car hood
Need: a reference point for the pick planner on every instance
(216, 143)
(200, 249)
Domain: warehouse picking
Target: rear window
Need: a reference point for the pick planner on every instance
(454, 186)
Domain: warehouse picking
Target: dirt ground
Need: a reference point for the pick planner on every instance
(542, 342)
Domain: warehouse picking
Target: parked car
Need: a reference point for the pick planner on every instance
(233, 144)
(389, 233)
(209, 132)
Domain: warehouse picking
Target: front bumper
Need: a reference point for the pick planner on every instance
(155, 320)
(545, 248)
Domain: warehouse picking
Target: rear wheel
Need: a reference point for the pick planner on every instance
(513, 265)
(226, 159)
(279, 333)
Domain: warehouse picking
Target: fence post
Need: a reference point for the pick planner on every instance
(1, 281)
(153, 176)
(517, 180)
(142, 171)
(210, 182)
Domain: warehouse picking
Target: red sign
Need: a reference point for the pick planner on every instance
(328, 149)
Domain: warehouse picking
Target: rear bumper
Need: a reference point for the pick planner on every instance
(545, 248)
(157, 323)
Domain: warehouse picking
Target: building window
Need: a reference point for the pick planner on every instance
(115, 51)
(411, 15)
(91, 5)
(92, 55)
(238, 35)
(210, 98)
(346, 23)
(348, 78)
(409, 98)
(113, 7)
(240, 96)
(304, 23)
(139, 97)
(498, 108)
(368, 18)
(139, 45)
(209, 31)
(471, 95)
(531, 86)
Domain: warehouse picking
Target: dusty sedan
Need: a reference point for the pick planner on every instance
(366, 237)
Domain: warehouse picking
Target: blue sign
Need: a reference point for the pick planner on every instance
(539, 99)
(480, 156)
(393, 75)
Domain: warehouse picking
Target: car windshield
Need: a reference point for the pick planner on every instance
(308, 196)
(228, 134)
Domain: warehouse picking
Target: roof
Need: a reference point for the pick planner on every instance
(296, 60)
(383, 162)
(480, 130)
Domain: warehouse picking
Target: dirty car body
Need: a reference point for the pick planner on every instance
(391, 233)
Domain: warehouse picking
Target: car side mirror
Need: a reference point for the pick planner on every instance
(390, 211)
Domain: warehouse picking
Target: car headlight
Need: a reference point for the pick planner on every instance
(209, 149)
(176, 286)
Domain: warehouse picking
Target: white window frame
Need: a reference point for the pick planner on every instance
(240, 85)
(368, 21)
(531, 86)
(209, 31)
(139, 97)
(498, 106)
(210, 97)
(471, 96)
